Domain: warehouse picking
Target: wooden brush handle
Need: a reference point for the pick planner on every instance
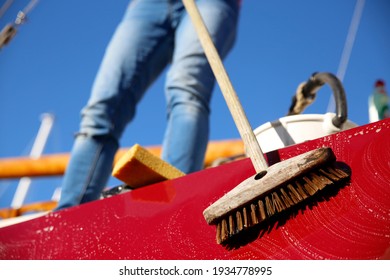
(252, 147)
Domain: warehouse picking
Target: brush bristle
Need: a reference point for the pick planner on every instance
(277, 201)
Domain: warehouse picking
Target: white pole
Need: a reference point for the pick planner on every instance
(36, 152)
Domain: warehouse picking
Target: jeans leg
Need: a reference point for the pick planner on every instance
(190, 84)
(87, 171)
(139, 50)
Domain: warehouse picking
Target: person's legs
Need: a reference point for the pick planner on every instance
(190, 84)
(139, 50)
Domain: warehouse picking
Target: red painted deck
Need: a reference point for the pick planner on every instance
(165, 221)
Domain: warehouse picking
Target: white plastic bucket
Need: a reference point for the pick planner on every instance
(296, 129)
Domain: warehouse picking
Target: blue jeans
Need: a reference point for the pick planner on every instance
(152, 34)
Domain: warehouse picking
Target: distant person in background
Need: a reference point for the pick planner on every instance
(379, 102)
(151, 35)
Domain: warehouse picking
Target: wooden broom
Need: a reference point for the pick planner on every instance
(272, 189)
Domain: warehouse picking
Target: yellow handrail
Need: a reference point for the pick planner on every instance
(6, 213)
(55, 164)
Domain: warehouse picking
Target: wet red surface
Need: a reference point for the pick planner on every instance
(165, 221)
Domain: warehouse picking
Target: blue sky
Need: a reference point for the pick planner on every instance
(50, 65)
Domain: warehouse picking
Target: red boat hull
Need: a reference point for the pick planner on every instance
(165, 221)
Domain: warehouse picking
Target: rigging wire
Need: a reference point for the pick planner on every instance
(349, 42)
(5, 7)
(22, 15)
(9, 31)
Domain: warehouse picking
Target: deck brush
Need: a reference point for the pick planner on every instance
(282, 186)
(272, 189)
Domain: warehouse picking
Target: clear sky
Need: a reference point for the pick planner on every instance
(50, 65)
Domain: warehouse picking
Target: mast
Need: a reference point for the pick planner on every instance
(36, 152)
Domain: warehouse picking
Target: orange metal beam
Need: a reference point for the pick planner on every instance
(55, 164)
(6, 213)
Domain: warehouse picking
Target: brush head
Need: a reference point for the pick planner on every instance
(284, 185)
